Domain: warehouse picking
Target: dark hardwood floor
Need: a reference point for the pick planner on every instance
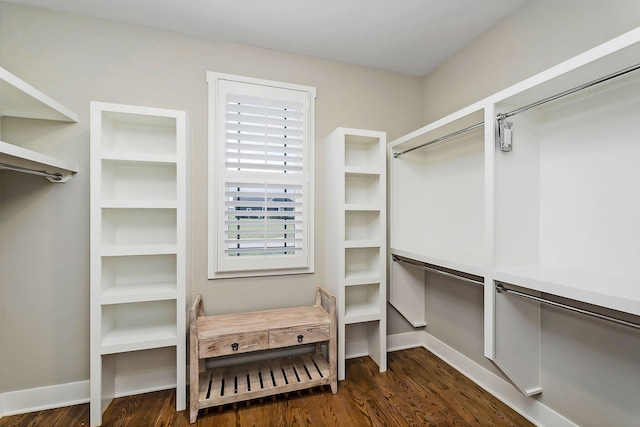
(417, 390)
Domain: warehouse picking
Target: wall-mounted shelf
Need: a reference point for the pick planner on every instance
(21, 157)
(20, 99)
(616, 293)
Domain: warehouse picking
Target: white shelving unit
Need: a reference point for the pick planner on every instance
(19, 99)
(138, 248)
(446, 207)
(554, 217)
(436, 206)
(575, 161)
(356, 241)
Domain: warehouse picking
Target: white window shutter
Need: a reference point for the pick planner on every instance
(261, 145)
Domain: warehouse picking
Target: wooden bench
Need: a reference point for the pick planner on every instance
(229, 334)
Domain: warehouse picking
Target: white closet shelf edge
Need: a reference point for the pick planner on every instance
(462, 262)
(616, 293)
(147, 337)
(24, 158)
(20, 99)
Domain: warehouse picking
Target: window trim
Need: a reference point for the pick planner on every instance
(214, 183)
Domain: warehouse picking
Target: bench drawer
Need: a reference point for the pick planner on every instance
(233, 344)
(298, 335)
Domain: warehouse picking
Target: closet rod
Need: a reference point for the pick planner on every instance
(442, 138)
(500, 288)
(503, 116)
(423, 266)
(54, 176)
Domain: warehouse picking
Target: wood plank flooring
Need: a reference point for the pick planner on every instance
(417, 390)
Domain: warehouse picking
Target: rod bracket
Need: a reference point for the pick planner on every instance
(505, 134)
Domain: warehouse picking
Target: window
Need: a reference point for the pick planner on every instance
(260, 177)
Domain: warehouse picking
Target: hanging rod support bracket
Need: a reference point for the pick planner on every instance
(505, 134)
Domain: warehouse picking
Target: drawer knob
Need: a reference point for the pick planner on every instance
(234, 346)
(300, 337)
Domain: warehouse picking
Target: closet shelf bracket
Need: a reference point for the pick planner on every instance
(505, 135)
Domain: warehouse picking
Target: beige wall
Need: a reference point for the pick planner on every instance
(44, 228)
(537, 36)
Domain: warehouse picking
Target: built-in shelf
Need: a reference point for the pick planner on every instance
(437, 193)
(20, 99)
(138, 180)
(139, 157)
(362, 303)
(139, 204)
(356, 241)
(609, 291)
(144, 337)
(362, 189)
(461, 261)
(21, 157)
(140, 278)
(139, 245)
(140, 249)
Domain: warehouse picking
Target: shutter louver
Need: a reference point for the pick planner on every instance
(263, 134)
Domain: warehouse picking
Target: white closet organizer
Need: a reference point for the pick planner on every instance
(554, 216)
(356, 241)
(19, 99)
(436, 207)
(566, 207)
(138, 251)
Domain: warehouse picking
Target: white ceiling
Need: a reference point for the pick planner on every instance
(408, 36)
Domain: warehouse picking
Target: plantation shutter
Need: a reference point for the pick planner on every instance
(263, 143)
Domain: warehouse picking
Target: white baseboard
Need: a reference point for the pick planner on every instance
(57, 396)
(42, 398)
(406, 340)
(61, 395)
(355, 349)
(145, 382)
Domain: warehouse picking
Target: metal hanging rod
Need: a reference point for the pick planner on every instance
(503, 116)
(500, 289)
(54, 176)
(442, 138)
(427, 267)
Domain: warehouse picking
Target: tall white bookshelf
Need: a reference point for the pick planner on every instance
(356, 241)
(138, 253)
